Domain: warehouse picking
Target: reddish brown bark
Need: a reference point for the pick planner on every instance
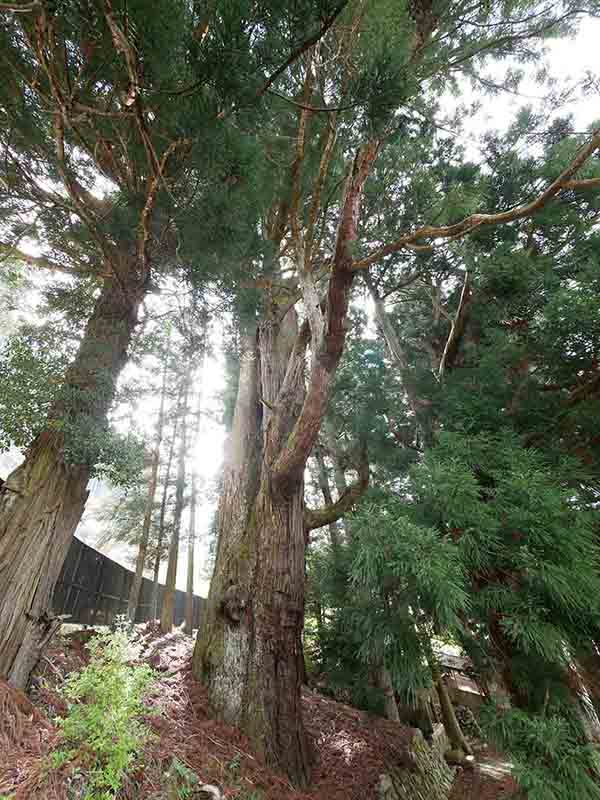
(249, 648)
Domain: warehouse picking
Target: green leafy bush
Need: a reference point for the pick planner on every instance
(103, 725)
(549, 760)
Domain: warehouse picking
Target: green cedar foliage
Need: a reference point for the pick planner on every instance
(549, 760)
(33, 362)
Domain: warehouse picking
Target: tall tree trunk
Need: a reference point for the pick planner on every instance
(161, 525)
(140, 563)
(189, 594)
(249, 648)
(43, 499)
(168, 606)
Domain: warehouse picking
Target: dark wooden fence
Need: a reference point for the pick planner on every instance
(93, 589)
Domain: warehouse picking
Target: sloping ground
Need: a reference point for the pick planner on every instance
(350, 747)
(490, 779)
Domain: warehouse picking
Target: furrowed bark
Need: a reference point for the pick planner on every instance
(43, 499)
(390, 706)
(140, 563)
(249, 649)
(222, 646)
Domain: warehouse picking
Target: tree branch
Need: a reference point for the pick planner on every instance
(457, 328)
(310, 42)
(473, 221)
(289, 465)
(10, 252)
(317, 518)
(21, 8)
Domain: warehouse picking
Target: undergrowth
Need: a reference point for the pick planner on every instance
(550, 762)
(103, 731)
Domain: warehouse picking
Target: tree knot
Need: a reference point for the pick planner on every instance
(234, 602)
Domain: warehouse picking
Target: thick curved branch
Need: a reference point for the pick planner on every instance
(473, 221)
(21, 8)
(317, 518)
(288, 468)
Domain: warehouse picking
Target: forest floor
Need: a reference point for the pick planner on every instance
(350, 746)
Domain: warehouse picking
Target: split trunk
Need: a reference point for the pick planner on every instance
(249, 646)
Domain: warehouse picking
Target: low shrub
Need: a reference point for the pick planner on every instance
(103, 728)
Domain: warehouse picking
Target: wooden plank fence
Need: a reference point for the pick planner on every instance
(93, 589)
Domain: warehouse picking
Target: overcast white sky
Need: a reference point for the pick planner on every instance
(569, 60)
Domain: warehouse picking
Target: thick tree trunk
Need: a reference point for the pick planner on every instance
(42, 501)
(249, 648)
(168, 606)
(140, 563)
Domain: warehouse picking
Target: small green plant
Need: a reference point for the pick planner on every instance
(106, 700)
(183, 781)
(233, 766)
(58, 758)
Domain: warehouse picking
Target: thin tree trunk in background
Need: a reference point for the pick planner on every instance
(134, 595)
(43, 499)
(390, 707)
(334, 533)
(161, 525)
(168, 606)
(189, 595)
(452, 727)
(339, 474)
